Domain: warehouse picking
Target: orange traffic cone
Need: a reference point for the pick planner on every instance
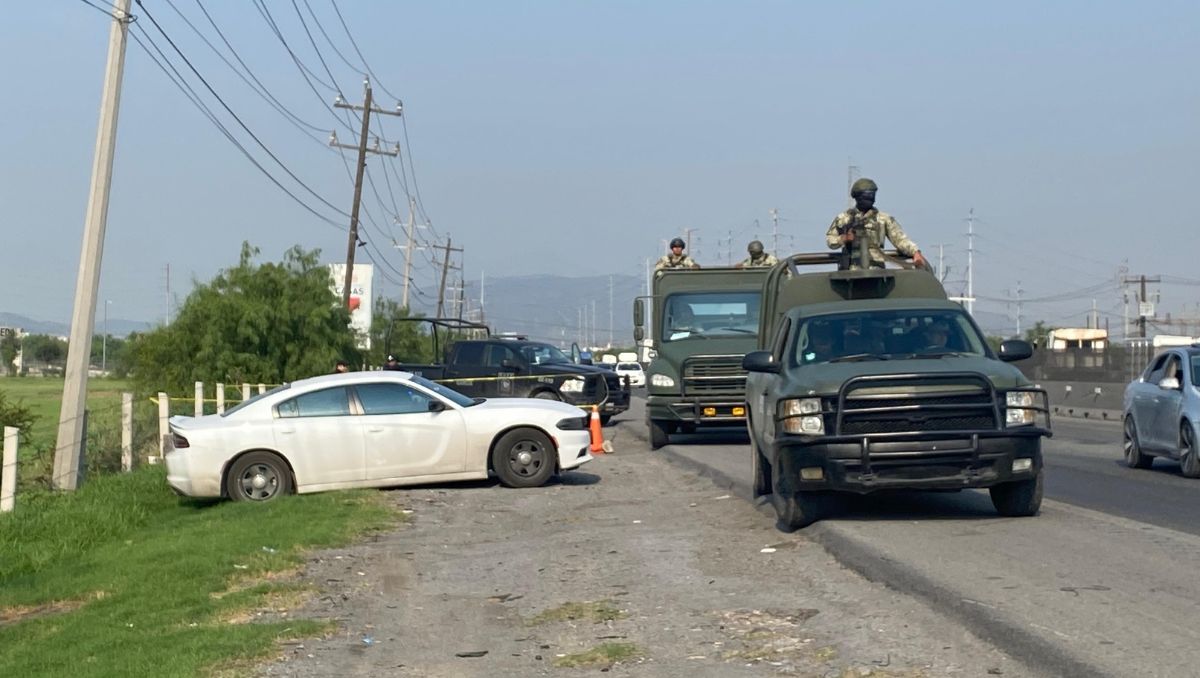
(597, 434)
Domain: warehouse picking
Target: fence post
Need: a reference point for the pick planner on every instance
(164, 430)
(245, 392)
(199, 399)
(220, 398)
(8, 479)
(126, 432)
(262, 388)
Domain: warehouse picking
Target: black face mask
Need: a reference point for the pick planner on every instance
(864, 201)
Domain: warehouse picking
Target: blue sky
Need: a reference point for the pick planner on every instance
(574, 137)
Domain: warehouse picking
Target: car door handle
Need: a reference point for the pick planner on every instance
(375, 429)
(287, 430)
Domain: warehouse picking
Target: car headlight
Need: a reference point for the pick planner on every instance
(1021, 407)
(573, 424)
(662, 380)
(802, 415)
(572, 385)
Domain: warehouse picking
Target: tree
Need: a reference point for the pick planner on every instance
(1038, 334)
(408, 341)
(267, 323)
(10, 346)
(43, 348)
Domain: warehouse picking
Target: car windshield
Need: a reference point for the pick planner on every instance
(544, 354)
(444, 391)
(887, 335)
(631, 367)
(256, 398)
(710, 314)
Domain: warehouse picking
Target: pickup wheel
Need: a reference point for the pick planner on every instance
(760, 471)
(524, 457)
(546, 395)
(660, 433)
(796, 508)
(1018, 499)
(1134, 457)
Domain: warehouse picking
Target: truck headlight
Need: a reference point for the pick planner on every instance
(572, 385)
(662, 380)
(1021, 407)
(802, 415)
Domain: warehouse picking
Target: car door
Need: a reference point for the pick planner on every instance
(503, 365)
(403, 438)
(1167, 404)
(466, 368)
(1142, 400)
(320, 436)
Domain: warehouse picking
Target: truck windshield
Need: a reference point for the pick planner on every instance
(887, 335)
(543, 354)
(710, 314)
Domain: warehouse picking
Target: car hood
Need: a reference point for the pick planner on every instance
(570, 368)
(827, 378)
(527, 404)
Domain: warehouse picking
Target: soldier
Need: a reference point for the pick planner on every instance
(757, 257)
(676, 259)
(864, 220)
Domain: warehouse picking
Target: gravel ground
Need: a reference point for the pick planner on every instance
(628, 566)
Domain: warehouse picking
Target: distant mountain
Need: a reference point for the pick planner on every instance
(116, 326)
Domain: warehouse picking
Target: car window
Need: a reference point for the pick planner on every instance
(632, 367)
(329, 402)
(1174, 369)
(386, 398)
(1154, 373)
(469, 354)
(255, 398)
(498, 353)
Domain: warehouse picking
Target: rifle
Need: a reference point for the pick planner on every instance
(858, 228)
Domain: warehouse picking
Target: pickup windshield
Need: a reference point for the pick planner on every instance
(887, 335)
(710, 314)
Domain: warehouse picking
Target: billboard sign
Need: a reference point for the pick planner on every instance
(360, 297)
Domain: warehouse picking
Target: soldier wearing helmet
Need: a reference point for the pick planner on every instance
(676, 259)
(757, 257)
(864, 222)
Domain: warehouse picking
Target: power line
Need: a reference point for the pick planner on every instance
(357, 51)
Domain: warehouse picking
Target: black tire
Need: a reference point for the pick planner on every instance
(547, 395)
(760, 471)
(1018, 499)
(1134, 457)
(1189, 458)
(258, 476)
(795, 509)
(524, 457)
(605, 418)
(660, 433)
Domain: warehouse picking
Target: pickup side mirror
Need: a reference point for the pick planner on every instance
(436, 406)
(639, 313)
(1169, 384)
(760, 361)
(639, 333)
(1015, 349)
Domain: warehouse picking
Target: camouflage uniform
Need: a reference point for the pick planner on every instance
(766, 259)
(877, 226)
(672, 261)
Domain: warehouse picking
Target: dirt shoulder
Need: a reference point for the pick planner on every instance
(629, 565)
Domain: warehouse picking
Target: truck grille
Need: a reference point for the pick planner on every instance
(714, 376)
(883, 405)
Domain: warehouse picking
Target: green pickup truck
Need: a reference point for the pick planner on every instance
(871, 380)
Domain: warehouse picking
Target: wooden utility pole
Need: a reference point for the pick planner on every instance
(71, 427)
(362, 149)
(1142, 280)
(445, 269)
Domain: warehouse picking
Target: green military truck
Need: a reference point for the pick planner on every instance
(870, 380)
(702, 322)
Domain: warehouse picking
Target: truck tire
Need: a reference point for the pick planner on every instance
(797, 509)
(660, 433)
(1018, 499)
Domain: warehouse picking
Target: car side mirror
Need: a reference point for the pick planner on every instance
(436, 406)
(760, 361)
(1169, 384)
(1015, 349)
(639, 313)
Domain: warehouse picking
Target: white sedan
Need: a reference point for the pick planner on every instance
(371, 429)
(634, 372)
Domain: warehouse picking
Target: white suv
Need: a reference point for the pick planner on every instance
(634, 371)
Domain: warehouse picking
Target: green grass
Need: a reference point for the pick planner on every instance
(595, 612)
(124, 578)
(43, 397)
(603, 655)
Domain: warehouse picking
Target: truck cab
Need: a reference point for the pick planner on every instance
(871, 380)
(700, 324)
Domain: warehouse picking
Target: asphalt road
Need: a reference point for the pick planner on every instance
(1103, 582)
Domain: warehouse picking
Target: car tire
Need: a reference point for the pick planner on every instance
(524, 457)
(1134, 457)
(1018, 499)
(1189, 461)
(547, 395)
(258, 476)
(660, 433)
(760, 471)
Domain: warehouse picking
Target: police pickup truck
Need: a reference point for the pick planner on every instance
(870, 380)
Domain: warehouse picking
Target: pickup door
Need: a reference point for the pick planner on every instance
(484, 369)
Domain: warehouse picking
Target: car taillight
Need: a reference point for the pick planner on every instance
(178, 441)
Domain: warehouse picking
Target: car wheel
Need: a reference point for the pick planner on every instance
(1134, 457)
(258, 476)
(524, 457)
(1020, 498)
(760, 470)
(660, 433)
(547, 395)
(1189, 462)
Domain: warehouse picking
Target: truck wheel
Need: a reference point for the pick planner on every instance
(1189, 463)
(1134, 457)
(524, 457)
(660, 433)
(1018, 499)
(760, 471)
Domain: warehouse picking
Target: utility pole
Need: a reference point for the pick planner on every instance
(774, 230)
(167, 317)
(408, 250)
(610, 311)
(104, 340)
(481, 296)
(445, 268)
(1143, 303)
(851, 175)
(69, 448)
(362, 149)
(687, 239)
(971, 261)
(1019, 292)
